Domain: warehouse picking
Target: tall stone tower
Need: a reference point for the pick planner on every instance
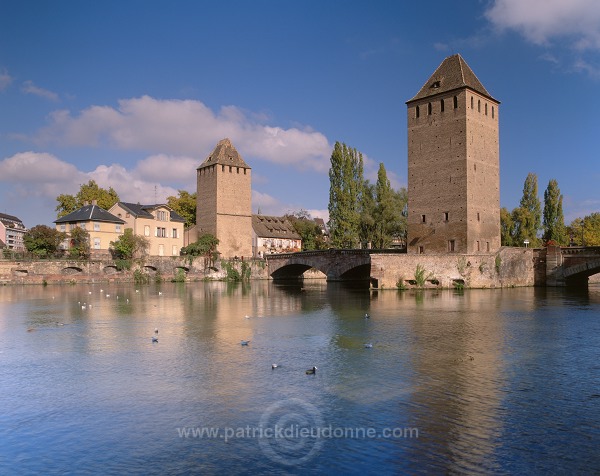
(453, 164)
(224, 200)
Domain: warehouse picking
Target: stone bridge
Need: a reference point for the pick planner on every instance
(571, 266)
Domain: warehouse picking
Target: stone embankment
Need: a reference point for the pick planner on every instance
(97, 271)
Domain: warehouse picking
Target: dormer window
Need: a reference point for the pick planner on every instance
(435, 85)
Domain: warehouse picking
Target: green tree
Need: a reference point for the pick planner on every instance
(554, 220)
(386, 214)
(79, 243)
(185, 205)
(366, 229)
(586, 231)
(531, 214)
(42, 240)
(507, 227)
(345, 186)
(87, 192)
(309, 231)
(129, 245)
(205, 246)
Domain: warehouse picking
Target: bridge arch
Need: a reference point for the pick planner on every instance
(579, 273)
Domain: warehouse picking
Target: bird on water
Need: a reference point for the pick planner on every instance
(311, 371)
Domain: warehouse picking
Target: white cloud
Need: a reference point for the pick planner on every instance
(29, 88)
(166, 168)
(5, 80)
(186, 128)
(35, 167)
(541, 21)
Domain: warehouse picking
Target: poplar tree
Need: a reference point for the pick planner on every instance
(554, 220)
(385, 213)
(345, 187)
(528, 217)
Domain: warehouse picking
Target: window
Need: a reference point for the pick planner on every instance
(478, 105)
(486, 108)
(146, 230)
(455, 102)
(222, 168)
(487, 245)
(492, 112)
(161, 215)
(446, 216)
(421, 250)
(478, 219)
(63, 227)
(118, 228)
(471, 102)
(442, 105)
(174, 235)
(96, 243)
(423, 220)
(451, 246)
(417, 111)
(230, 169)
(82, 226)
(478, 247)
(96, 226)
(429, 109)
(161, 232)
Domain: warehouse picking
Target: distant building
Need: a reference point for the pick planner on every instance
(272, 235)
(453, 164)
(11, 232)
(158, 223)
(323, 227)
(102, 226)
(224, 201)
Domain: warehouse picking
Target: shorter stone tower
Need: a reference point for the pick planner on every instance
(453, 164)
(224, 200)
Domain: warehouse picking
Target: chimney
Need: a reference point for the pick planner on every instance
(94, 202)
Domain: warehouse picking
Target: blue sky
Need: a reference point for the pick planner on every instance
(135, 94)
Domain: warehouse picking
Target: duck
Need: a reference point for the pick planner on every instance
(367, 316)
(311, 371)
(154, 339)
(274, 366)
(156, 330)
(245, 342)
(368, 346)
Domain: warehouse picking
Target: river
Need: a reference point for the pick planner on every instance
(475, 382)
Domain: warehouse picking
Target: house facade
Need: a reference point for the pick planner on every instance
(12, 231)
(272, 235)
(158, 223)
(102, 226)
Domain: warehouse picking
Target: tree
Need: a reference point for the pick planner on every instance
(366, 229)
(385, 213)
(531, 213)
(345, 186)
(42, 240)
(79, 243)
(129, 245)
(554, 220)
(507, 227)
(87, 192)
(185, 206)
(585, 231)
(205, 246)
(309, 231)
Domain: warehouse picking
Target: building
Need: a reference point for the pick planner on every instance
(12, 231)
(102, 226)
(159, 223)
(453, 164)
(224, 201)
(272, 235)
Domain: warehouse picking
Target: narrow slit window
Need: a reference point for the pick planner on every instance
(451, 244)
(423, 219)
(446, 216)
(478, 217)
(442, 105)
(429, 109)
(455, 102)
(492, 112)
(486, 109)
(417, 112)
(478, 105)
(471, 102)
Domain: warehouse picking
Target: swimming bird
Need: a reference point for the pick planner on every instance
(156, 330)
(245, 342)
(160, 293)
(274, 366)
(154, 339)
(368, 346)
(137, 290)
(367, 316)
(311, 371)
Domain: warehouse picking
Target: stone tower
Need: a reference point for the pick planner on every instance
(224, 200)
(453, 164)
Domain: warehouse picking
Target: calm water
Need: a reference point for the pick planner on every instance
(490, 382)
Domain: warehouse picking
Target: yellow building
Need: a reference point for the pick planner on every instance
(102, 226)
(159, 224)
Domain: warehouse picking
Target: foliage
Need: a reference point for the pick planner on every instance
(400, 284)
(185, 205)
(129, 245)
(246, 271)
(179, 276)
(390, 221)
(87, 192)
(507, 226)
(139, 277)
(309, 231)
(42, 240)
(158, 277)
(525, 221)
(554, 220)
(205, 246)
(461, 265)
(79, 243)
(498, 263)
(123, 264)
(232, 274)
(345, 186)
(585, 231)
(421, 276)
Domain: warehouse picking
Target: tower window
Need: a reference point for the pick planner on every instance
(446, 216)
(478, 105)
(429, 109)
(478, 217)
(455, 102)
(487, 245)
(471, 102)
(421, 250)
(478, 247)
(435, 84)
(417, 112)
(492, 112)
(222, 168)
(486, 108)
(451, 244)
(230, 169)
(442, 105)
(423, 220)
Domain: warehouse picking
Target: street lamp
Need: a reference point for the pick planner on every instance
(526, 243)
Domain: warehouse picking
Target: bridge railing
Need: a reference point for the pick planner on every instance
(579, 250)
(354, 252)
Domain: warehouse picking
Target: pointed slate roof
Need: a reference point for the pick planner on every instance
(89, 213)
(225, 154)
(274, 227)
(453, 73)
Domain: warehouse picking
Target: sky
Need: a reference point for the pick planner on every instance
(135, 94)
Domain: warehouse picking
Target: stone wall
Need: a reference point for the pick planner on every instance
(506, 268)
